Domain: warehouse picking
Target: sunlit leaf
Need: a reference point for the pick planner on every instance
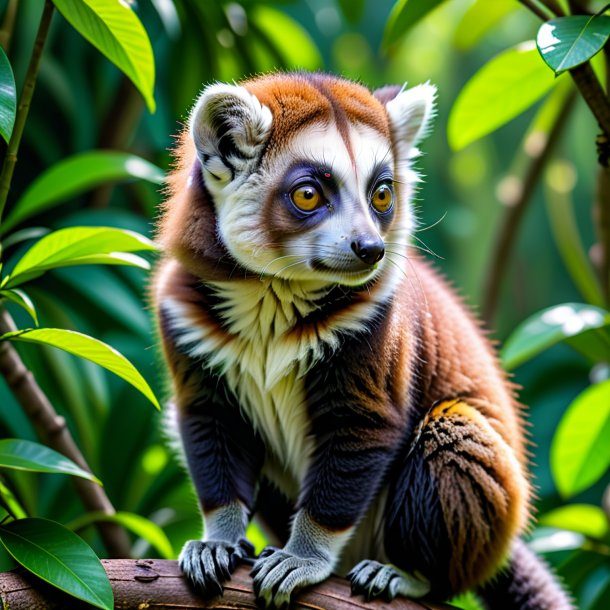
(585, 519)
(140, 526)
(23, 235)
(75, 175)
(567, 42)
(10, 502)
(79, 246)
(480, 18)
(580, 451)
(22, 299)
(20, 454)
(550, 326)
(290, 39)
(405, 14)
(115, 30)
(502, 89)
(59, 557)
(88, 348)
(8, 97)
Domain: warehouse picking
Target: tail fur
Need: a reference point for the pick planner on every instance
(525, 583)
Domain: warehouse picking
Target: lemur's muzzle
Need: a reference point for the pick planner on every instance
(369, 250)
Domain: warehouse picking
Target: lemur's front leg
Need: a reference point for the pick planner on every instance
(357, 433)
(224, 457)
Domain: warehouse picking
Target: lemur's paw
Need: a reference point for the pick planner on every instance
(277, 573)
(208, 564)
(373, 579)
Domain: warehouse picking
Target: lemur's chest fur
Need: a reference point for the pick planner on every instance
(260, 336)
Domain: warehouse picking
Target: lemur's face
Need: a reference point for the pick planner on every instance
(309, 175)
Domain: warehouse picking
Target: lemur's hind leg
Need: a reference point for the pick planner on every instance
(455, 503)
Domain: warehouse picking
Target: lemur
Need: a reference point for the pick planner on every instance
(325, 378)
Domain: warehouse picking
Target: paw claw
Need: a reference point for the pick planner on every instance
(208, 564)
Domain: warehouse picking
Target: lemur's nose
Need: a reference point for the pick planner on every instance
(368, 249)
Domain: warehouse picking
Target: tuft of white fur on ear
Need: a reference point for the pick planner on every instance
(228, 126)
(411, 113)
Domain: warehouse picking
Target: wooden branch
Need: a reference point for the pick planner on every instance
(51, 428)
(157, 584)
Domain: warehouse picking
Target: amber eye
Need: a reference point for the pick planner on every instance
(306, 198)
(382, 198)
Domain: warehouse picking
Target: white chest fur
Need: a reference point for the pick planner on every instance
(263, 360)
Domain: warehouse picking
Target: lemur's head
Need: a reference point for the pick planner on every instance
(309, 174)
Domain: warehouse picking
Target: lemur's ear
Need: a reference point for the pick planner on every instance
(228, 125)
(410, 112)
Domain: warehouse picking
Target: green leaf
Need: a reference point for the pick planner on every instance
(88, 348)
(10, 502)
(567, 42)
(585, 519)
(291, 40)
(79, 246)
(78, 174)
(551, 326)
(405, 14)
(19, 454)
(22, 299)
(8, 97)
(140, 526)
(479, 19)
(352, 9)
(23, 235)
(580, 451)
(115, 30)
(59, 557)
(502, 89)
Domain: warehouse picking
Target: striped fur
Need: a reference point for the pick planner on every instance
(353, 385)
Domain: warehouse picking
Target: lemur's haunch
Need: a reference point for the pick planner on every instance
(324, 377)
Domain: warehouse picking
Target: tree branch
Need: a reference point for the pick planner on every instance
(23, 107)
(510, 226)
(53, 431)
(159, 585)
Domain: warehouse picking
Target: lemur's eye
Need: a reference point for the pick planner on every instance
(306, 198)
(382, 198)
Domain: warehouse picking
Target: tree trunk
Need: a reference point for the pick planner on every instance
(157, 584)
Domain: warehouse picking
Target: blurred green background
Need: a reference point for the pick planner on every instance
(83, 102)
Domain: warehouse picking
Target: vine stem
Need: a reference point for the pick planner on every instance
(510, 227)
(51, 428)
(23, 107)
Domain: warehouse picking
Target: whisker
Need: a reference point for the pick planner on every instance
(433, 224)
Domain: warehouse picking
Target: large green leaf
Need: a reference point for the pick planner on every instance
(88, 348)
(481, 17)
(550, 326)
(79, 246)
(115, 30)
(140, 526)
(567, 42)
(580, 451)
(405, 14)
(59, 557)
(290, 39)
(502, 89)
(20, 454)
(8, 97)
(75, 175)
(585, 519)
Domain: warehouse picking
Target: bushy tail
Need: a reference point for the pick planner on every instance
(526, 583)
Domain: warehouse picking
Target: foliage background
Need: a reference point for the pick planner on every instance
(82, 102)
